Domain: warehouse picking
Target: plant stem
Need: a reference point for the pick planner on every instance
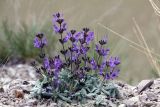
(85, 59)
(71, 61)
(63, 45)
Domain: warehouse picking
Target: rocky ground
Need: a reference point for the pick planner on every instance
(17, 81)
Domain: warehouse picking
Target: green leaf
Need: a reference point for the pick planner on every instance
(64, 98)
(83, 92)
(91, 95)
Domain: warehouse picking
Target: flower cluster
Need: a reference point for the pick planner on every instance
(40, 41)
(108, 67)
(75, 49)
(59, 25)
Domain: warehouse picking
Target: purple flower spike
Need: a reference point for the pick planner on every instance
(57, 63)
(39, 42)
(90, 37)
(57, 17)
(101, 51)
(111, 62)
(107, 77)
(67, 37)
(104, 52)
(114, 74)
(59, 25)
(64, 26)
(46, 63)
(74, 57)
(75, 48)
(102, 67)
(117, 61)
(103, 41)
(93, 63)
(76, 36)
(56, 28)
(84, 49)
(97, 48)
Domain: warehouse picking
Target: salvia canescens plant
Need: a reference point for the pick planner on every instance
(73, 74)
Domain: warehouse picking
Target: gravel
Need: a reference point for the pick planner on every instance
(17, 81)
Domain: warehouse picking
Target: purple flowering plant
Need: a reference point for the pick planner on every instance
(73, 74)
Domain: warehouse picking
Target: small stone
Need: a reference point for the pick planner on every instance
(19, 94)
(143, 85)
(151, 96)
(32, 102)
(1, 90)
(53, 105)
(143, 98)
(25, 82)
(132, 101)
(122, 105)
(158, 104)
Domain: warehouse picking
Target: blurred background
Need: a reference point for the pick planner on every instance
(128, 23)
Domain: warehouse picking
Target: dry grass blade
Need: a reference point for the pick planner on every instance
(142, 51)
(130, 41)
(155, 7)
(147, 47)
(142, 44)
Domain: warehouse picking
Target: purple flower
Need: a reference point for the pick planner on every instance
(93, 64)
(84, 50)
(97, 49)
(46, 63)
(104, 52)
(56, 63)
(56, 28)
(101, 51)
(57, 17)
(75, 48)
(86, 36)
(74, 57)
(64, 26)
(76, 36)
(89, 37)
(107, 77)
(39, 42)
(113, 74)
(67, 37)
(103, 42)
(102, 67)
(59, 25)
(117, 61)
(111, 62)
